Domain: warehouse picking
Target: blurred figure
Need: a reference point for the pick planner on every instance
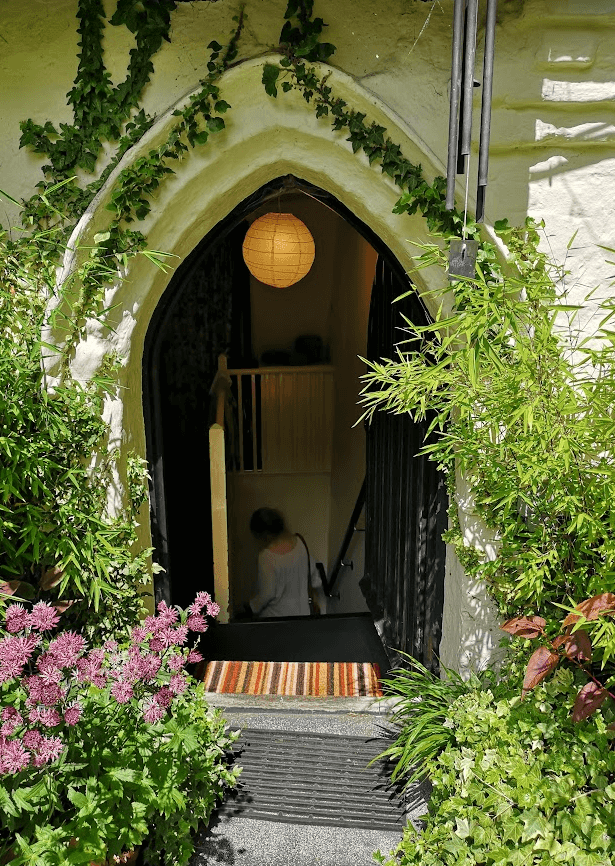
(286, 572)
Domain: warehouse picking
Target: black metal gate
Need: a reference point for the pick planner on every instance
(406, 500)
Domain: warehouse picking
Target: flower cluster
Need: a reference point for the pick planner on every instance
(45, 679)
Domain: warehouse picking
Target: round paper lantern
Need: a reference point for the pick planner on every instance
(278, 249)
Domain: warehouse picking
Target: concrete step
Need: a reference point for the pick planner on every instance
(244, 841)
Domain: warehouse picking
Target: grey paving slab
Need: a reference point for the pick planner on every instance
(347, 724)
(245, 842)
(302, 704)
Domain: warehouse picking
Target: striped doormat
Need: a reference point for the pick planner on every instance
(310, 679)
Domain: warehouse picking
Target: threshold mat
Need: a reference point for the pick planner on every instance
(305, 679)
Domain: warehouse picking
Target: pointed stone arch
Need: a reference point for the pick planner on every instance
(264, 138)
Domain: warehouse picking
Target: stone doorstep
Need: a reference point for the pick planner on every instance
(302, 704)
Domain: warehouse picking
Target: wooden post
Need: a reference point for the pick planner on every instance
(219, 524)
(217, 475)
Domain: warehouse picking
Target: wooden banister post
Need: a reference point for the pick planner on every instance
(217, 473)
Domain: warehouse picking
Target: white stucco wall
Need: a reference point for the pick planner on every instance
(552, 154)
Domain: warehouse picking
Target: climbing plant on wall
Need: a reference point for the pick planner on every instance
(59, 535)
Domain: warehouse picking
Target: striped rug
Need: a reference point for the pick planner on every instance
(311, 679)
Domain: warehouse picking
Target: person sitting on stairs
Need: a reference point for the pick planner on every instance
(286, 573)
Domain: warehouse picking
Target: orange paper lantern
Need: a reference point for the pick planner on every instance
(278, 249)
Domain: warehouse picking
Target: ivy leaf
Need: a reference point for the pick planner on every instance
(534, 824)
(221, 106)
(463, 828)
(588, 700)
(215, 124)
(540, 665)
(270, 76)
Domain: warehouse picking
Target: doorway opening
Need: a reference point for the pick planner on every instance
(293, 357)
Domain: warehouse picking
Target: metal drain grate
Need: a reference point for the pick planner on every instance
(304, 778)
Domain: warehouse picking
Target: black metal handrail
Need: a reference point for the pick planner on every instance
(329, 582)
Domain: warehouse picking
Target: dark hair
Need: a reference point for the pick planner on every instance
(267, 521)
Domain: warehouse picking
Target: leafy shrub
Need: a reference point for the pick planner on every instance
(55, 465)
(423, 702)
(523, 411)
(574, 646)
(519, 784)
(99, 748)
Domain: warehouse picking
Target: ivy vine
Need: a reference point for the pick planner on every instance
(299, 46)
(78, 549)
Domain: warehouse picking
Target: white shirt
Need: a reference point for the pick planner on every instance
(282, 584)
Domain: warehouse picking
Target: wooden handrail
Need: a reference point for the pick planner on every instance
(221, 387)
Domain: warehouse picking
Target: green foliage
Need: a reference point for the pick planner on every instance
(527, 422)
(422, 705)
(101, 112)
(52, 494)
(119, 780)
(506, 792)
(192, 762)
(58, 466)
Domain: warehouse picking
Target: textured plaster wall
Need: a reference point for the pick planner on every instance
(552, 148)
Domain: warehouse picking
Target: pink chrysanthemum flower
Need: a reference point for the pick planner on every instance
(10, 714)
(166, 615)
(48, 668)
(164, 697)
(49, 749)
(178, 684)
(202, 600)
(32, 739)
(196, 622)
(110, 645)
(15, 652)
(157, 645)
(153, 712)
(11, 719)
(138, 634)
(43, 617)
(175, 662)
(194, 656)
(150, 624)
(66, 649)
(72, 714)
(17, 618)
(122, 692)
(13, 756)
(149, 666)
(43, 692)
(213, 609)
(178, 635)
(47, 716)
(18, 648)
